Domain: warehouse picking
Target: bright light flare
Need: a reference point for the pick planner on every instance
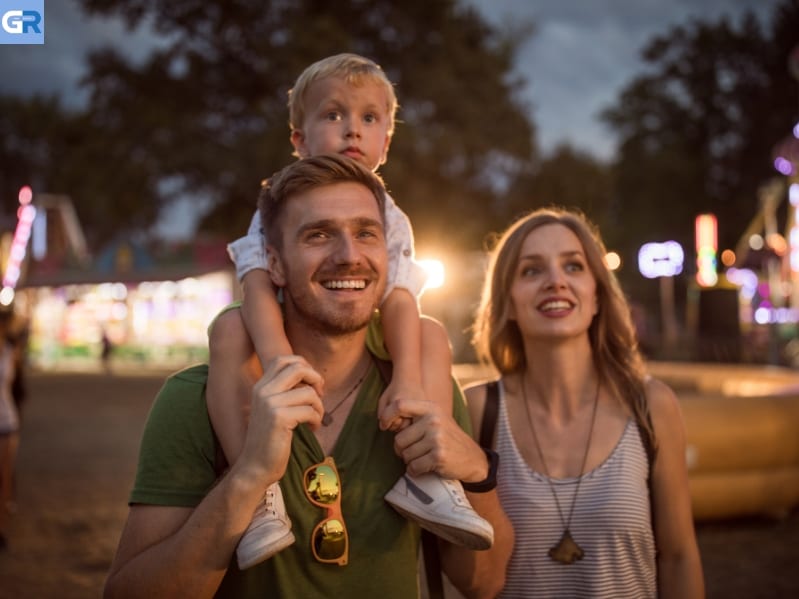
(435, 273)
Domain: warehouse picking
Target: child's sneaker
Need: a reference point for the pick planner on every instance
(268, 532)
(440, 506)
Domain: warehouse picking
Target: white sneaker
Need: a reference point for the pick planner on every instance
(268, 532)
(440, 506)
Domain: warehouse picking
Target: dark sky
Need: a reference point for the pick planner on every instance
(581, 56)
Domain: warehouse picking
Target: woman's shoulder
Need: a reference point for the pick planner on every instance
(664, 406)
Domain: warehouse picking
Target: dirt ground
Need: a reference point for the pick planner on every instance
(76, 463)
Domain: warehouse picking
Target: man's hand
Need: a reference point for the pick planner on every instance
(434, 442)
(287, 395)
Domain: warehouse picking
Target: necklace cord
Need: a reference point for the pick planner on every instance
(328, 416)
(566, 524)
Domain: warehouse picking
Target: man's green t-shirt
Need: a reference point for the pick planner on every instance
(179, 463)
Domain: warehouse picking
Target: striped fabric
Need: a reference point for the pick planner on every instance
(611, 523)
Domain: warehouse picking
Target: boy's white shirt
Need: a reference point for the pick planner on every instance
(404, 272)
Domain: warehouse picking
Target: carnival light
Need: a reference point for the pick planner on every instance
(26, 213)
(706, 247)
(660, 259)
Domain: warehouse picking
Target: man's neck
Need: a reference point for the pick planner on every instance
(336, 358)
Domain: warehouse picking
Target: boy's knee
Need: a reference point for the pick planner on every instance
(227, 333)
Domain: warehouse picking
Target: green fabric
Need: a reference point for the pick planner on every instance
(177, 467)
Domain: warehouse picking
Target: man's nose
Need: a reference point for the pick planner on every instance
(347, 251)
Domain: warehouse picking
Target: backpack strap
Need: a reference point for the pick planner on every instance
(490, 410)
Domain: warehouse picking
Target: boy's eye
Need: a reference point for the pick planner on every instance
(370, 118)
(333, 116)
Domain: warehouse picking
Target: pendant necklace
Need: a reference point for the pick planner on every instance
(567, 551)
(328, 416)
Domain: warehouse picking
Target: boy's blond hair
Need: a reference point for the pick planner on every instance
(353, 69)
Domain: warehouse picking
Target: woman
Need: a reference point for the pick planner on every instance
(592, 450)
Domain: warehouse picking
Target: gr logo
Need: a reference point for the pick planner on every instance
(22, 22)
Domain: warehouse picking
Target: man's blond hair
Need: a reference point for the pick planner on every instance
(353, 69)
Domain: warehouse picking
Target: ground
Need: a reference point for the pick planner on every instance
(77, 460)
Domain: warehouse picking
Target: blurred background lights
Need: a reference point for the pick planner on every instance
(25, 195)
(756, 242)
(435, 273)
(706, 246)
(783, 166)
(612, 261)
(6, 296)
(796, 130)
(793, 194)
(728, 258)
(744, 278)
(660, 259)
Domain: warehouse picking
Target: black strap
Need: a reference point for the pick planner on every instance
(432, 565)
(489, 424)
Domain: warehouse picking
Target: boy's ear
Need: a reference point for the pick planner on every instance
(386, 146)
(298, 141)
(276, 268)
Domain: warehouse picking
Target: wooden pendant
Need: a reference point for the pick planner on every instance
(567, 551)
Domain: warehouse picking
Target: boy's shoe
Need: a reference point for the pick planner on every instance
(268, 532)
(440, 506)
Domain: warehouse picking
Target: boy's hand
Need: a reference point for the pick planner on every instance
(389, 417)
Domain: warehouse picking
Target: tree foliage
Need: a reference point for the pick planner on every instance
(697, 130)
(206, 112)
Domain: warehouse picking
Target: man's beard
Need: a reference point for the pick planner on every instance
(331, 319)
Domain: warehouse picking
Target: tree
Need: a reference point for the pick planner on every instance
(57, 151)
(570, 178)
(697, 130)
(207, 111)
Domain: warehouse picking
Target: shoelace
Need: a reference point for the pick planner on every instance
(455, 491)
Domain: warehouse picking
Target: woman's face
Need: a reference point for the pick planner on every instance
(553, 293)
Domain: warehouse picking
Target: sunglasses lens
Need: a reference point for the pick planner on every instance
(321, 483)
(330, 540)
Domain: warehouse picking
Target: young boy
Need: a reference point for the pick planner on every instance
(346, 105)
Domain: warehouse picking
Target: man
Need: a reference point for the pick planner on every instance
(328, 256)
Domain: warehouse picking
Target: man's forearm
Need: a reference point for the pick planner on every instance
(180, 552)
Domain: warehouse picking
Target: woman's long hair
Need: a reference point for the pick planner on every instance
(614, 346)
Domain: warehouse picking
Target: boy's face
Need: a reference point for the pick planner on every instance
(333, 261)
(347, 119)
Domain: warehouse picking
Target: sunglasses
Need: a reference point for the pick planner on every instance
(329, 541)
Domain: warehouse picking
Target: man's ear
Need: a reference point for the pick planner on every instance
(276, 268)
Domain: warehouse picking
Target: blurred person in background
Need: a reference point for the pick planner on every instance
(592, 448)
(9, 422)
